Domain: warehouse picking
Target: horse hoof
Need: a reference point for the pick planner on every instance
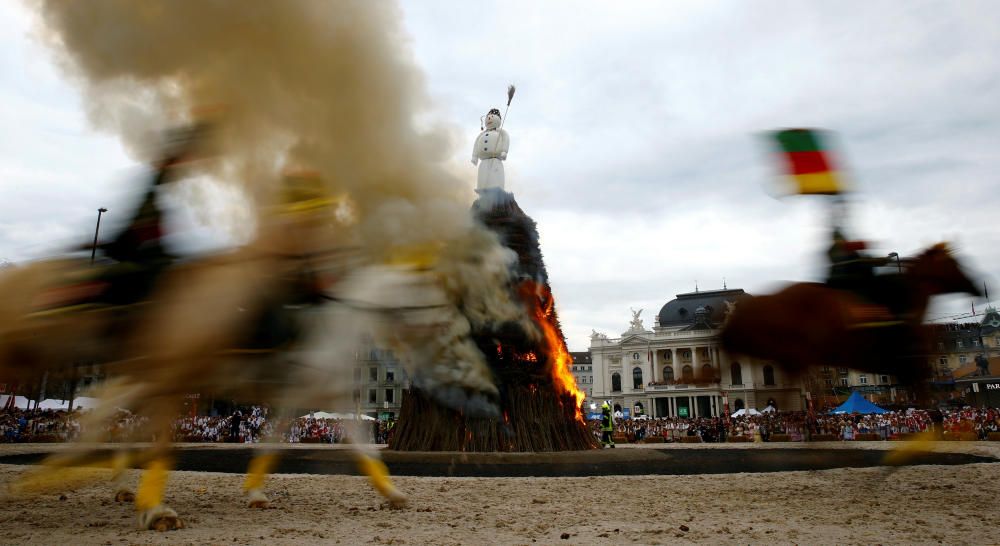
(160, 519)
(397, 502)
(124, 496)
(167, 523)
(258, 500)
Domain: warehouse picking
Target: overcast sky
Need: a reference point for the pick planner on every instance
(635, 137)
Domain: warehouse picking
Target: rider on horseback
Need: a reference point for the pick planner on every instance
(854, 272)
(138, 250)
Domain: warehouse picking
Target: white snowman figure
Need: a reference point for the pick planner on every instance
(489, 152)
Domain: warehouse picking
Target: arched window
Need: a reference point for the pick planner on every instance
(668, 374)
(687, 374)
(738, 404)
(637, 378)
(769, 375)
(667, 356)
(618, 407)
(707, 373)
(736, 373)
(616, 382)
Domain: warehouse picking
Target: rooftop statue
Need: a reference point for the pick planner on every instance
(636, 321)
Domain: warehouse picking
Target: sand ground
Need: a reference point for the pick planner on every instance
(911, 505)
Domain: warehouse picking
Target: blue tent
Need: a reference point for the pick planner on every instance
(857, 404)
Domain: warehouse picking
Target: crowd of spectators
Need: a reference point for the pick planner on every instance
(16, 425)
(798, 426)
(245, 425)
(251, 425)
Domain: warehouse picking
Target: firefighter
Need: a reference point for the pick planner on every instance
(607, 426)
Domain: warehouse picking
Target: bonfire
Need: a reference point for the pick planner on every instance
(539, 400)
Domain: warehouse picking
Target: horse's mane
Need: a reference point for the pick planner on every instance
(939, 249)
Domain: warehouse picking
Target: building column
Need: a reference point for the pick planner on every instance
(672, 407)
(695, 362)
(692, 406)
(656, 366)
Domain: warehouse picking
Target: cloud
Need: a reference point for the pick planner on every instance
(636, 135)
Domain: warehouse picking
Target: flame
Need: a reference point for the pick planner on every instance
(560, 360)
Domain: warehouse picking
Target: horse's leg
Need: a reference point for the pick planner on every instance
(262, 464)
(153, 513)
(62, 471)
(370, 464)
(119, 477)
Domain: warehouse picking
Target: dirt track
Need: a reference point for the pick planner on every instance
(921, 504)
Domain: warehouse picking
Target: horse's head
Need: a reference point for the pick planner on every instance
(938, 267)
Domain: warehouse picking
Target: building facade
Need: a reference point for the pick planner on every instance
(956, 345)
(583, 371)
(379, 382)
(679, 369)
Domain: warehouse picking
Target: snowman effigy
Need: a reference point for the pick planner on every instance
(489, 152)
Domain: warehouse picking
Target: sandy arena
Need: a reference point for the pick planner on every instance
(925, 504)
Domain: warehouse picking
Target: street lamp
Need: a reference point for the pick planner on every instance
(93, 250)
(899, 268)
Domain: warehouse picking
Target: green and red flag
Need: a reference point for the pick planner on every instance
(807, 162)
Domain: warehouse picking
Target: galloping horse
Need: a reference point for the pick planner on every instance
(185, 337)
(191, 339)
(811, 324)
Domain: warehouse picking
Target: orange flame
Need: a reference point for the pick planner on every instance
(559, 357)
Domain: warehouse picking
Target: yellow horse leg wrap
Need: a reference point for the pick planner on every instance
(260, 467)
(378, 474)
(152, 485)
(49, 479)
(921, 442)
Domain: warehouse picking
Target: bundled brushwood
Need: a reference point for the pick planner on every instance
(533, 421)
(538, 413)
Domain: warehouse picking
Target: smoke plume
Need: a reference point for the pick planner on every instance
(324, 86)
(328, 86)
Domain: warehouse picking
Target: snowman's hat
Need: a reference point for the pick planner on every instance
(482, 120)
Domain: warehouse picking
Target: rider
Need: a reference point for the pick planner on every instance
(852, 270)
(138, 249)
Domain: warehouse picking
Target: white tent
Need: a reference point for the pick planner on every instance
(769, 409)
(86, 402)
(334, 415)
(20, 402)
(742, 412)
(83, 402)
(52, 403)
(321, 415)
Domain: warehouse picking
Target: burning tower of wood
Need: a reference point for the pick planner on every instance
(539, 401)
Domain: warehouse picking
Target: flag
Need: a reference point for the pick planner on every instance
(807, 162)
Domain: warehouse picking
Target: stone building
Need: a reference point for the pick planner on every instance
(379, 381)
(956, 345)
(583, 371)
(678, 369)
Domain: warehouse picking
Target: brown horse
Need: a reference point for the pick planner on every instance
(811, 324)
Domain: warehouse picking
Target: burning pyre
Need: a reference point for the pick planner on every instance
(539, 400)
